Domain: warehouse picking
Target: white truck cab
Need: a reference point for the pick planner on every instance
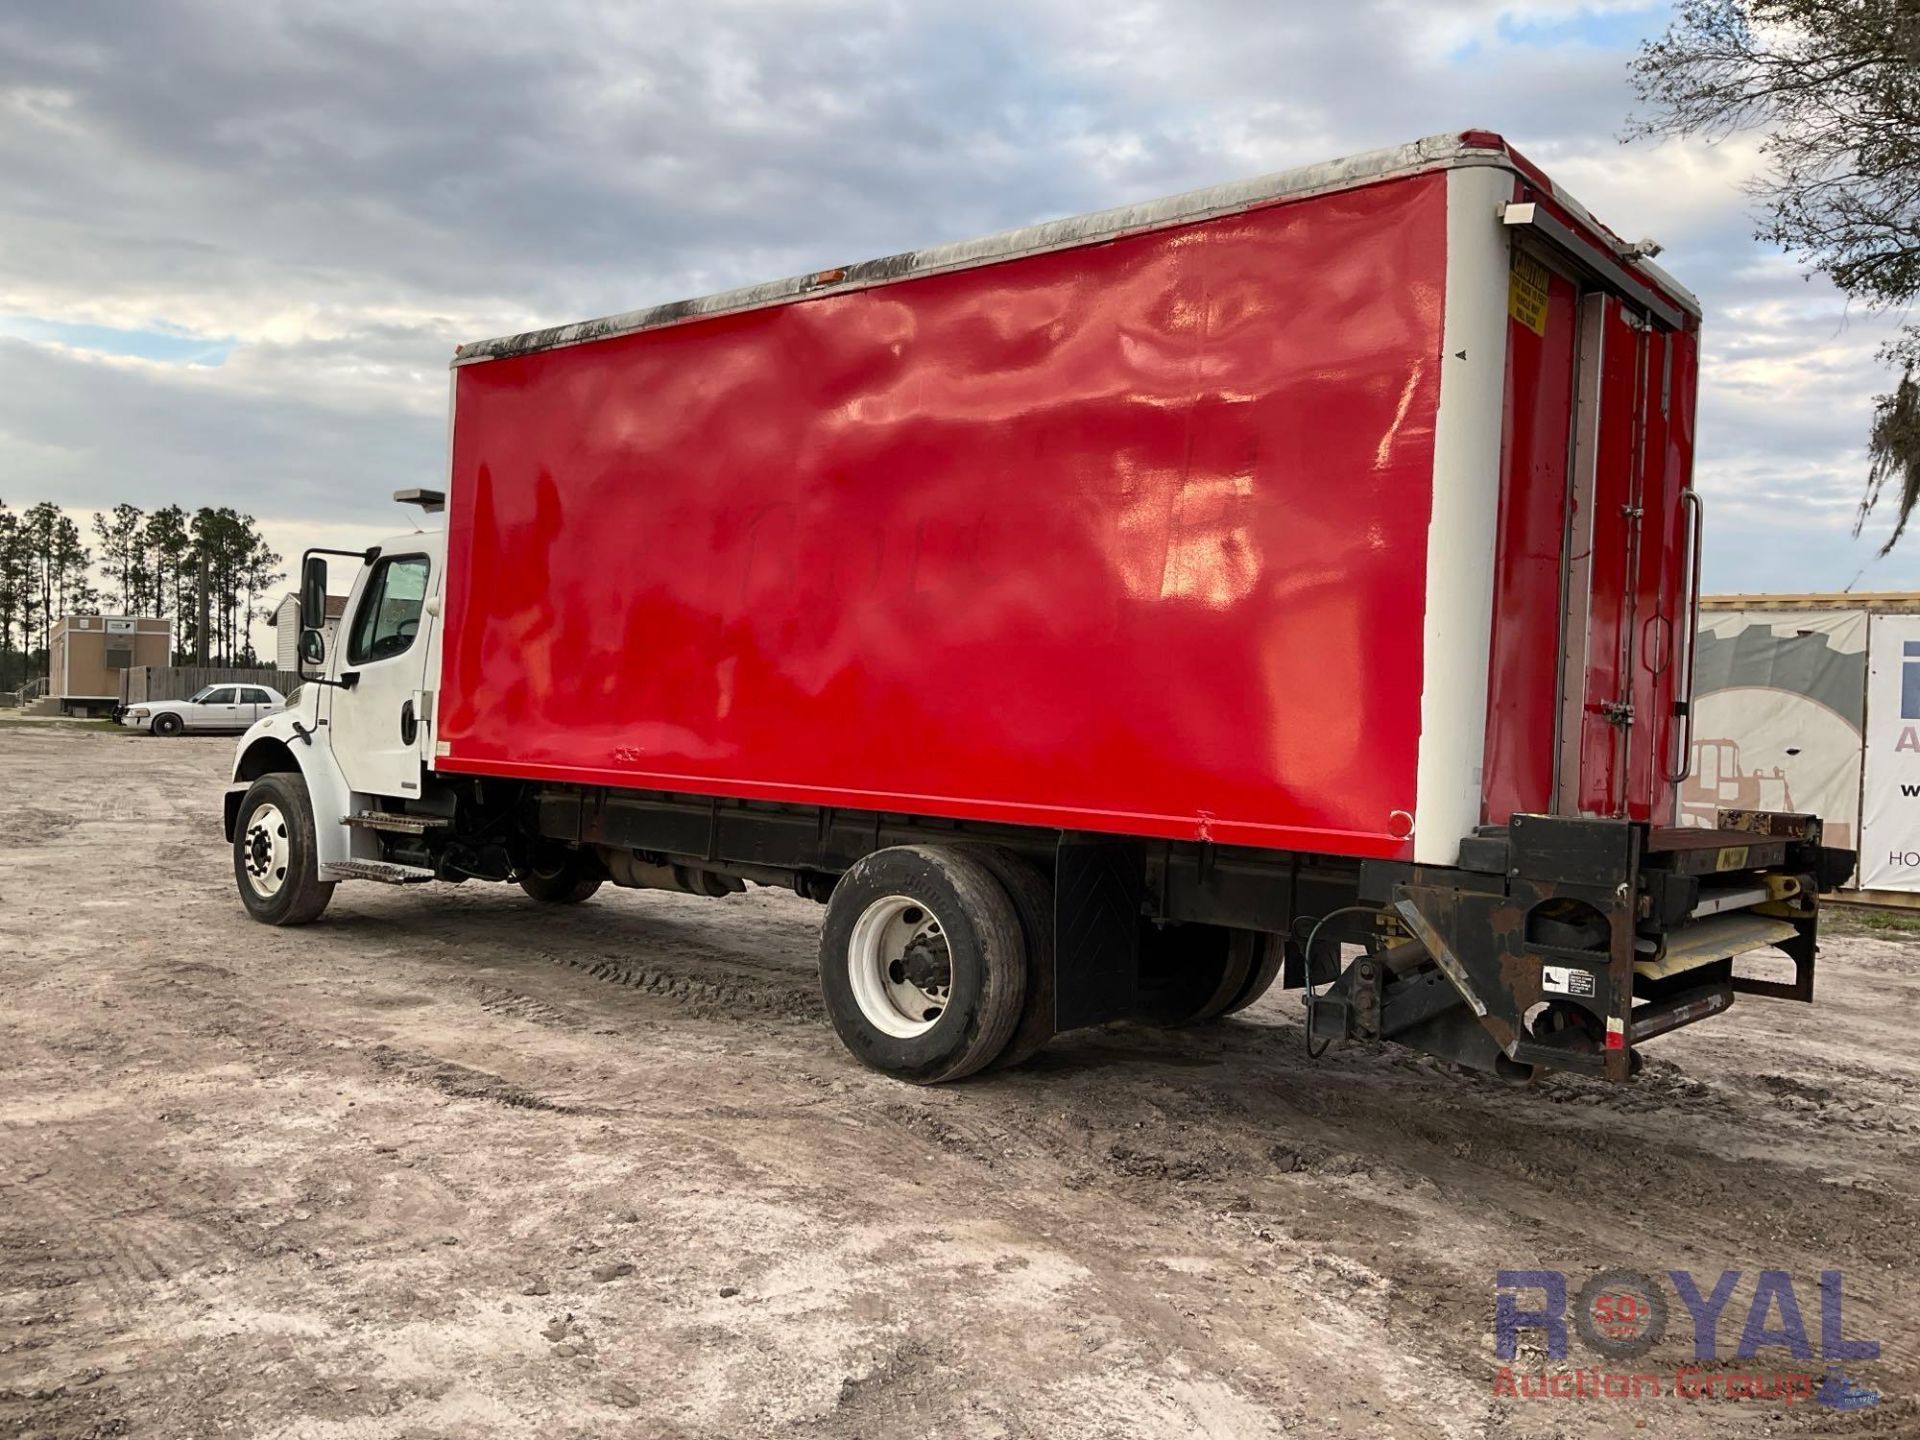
(358, 734)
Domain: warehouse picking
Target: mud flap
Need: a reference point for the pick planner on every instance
(230, 807)
(1099, 885)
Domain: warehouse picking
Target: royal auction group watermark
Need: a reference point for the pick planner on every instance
(1619, 1316)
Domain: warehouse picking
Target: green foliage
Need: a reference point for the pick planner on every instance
(229, 556)
(168, 546)
(123, 553)
(1893, 451)
(1833, 86)
(151, 565)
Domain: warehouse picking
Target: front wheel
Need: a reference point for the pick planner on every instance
(923, 963)
(168, 725)
(275, 857)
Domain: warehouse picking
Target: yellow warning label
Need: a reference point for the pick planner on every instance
(1734, 857)
(1527, 293)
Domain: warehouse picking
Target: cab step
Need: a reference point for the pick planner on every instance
(383, 871)
(396, 822)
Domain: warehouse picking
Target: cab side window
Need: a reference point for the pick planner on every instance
(389, 613)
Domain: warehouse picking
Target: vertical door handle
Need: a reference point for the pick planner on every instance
(1683, 706)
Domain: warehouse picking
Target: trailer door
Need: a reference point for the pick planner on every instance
(1590, 614)
(1626, 600)
(1524, 675)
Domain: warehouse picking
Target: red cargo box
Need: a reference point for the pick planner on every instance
(1239, 516)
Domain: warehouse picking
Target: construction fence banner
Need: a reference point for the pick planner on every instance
(1780, 715)
(1890, 790)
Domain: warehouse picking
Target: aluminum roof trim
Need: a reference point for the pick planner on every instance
(1435, 152)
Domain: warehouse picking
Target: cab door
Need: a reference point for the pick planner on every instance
(373, 713)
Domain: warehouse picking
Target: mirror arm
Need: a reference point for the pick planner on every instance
(346, 682)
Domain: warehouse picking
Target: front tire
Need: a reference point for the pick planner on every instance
(275, 856)
(923, 963)
(167, 726)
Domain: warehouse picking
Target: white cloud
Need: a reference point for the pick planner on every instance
(346, 189)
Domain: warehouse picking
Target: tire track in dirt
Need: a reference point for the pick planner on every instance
(1143, 1231)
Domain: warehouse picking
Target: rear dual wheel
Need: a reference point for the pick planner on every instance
(1193, 973)
(1032, 896)
(559, 876)
(924, 962)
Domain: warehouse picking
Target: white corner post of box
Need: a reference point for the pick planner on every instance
(1466, 512)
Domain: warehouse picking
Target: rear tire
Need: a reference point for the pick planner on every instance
(1032, 896)
(1268, 954)
(1190, 973)
(923, 963)
(275, 854)
(561, 877)
(167, 726)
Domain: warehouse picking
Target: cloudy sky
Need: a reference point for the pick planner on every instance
(239, 239)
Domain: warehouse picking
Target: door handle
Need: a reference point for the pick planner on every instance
(1683, 706)
(409, 728)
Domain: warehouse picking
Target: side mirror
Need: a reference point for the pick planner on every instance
(313, 647)
(313, 595)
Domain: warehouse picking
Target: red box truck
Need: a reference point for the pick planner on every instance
(1287, 582)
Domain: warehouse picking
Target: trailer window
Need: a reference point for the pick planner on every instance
(389, 615)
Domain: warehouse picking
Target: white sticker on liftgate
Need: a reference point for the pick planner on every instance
(1566, 980)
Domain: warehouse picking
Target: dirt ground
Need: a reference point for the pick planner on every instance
(451, 1164)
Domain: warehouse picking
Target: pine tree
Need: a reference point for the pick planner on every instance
(13, 581)
(168, 546)
(123, 553)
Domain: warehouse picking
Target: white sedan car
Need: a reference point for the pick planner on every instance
(212, 708)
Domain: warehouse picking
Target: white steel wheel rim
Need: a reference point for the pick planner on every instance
(265, 850)
(900, 964)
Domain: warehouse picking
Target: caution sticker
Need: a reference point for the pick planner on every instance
(1566, 980)
(1527, 292)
